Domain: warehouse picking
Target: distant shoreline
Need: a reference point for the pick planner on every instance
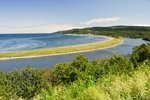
(36, 53)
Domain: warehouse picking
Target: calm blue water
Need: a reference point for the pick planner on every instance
(18, 42)
(125, 48)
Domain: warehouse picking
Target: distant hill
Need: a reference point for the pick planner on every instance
(115, 31)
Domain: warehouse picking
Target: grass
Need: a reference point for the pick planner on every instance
(60, 50)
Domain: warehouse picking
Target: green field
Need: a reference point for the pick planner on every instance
(61, 50)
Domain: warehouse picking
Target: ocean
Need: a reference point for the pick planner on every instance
(19, 42)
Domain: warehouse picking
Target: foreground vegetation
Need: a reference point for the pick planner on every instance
(115, 31)
(111, 87)
(60, 50)
(114, 78)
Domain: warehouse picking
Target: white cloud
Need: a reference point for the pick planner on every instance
(148, 25)
(49, 28)
(102, 20)
(44, 28)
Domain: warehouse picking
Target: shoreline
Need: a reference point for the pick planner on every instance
(89, 35)
(74, 52)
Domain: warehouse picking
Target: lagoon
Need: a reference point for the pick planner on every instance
(125, 49)
(20, 42)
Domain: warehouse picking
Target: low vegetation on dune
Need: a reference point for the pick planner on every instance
(114, 78)
(61, 50)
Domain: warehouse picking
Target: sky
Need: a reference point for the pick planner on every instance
(46, 16)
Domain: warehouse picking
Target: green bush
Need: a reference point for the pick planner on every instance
(6, 91)
(85, 68)
(80, 62)
(140, 53)
(26, 83)
(48, 76)
(65, 73)
(120, 65)
(94, 70)
(117, 64)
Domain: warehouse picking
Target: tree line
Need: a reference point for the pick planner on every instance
(115, 31)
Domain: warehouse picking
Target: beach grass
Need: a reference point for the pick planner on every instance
(60, 50)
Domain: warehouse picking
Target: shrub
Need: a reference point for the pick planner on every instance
(48, 76)
(117, 64)
(65, 73)
(6, 91)
(80, 62)
(140, 53)
(94, 70)
(27, 83)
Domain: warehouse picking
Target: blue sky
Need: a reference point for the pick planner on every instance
(23, 16)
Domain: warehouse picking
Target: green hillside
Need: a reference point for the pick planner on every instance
(115, 31)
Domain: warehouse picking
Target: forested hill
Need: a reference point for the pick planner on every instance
(115, 31)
